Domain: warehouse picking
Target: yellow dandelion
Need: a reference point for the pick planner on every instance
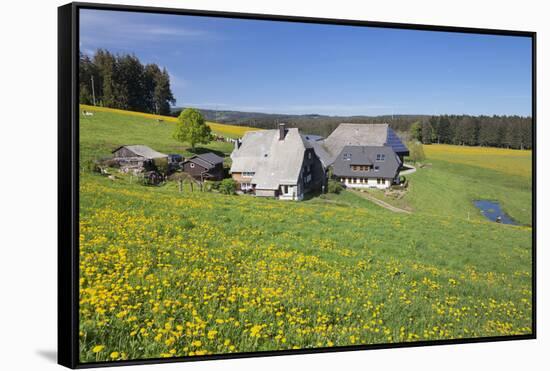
(98, 348)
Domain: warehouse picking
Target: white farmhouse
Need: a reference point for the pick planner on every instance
(276, 163)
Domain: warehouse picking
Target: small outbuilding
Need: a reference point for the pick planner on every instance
(206, 166)
(138, 158)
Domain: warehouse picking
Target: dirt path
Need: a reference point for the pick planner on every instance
(411, 169)
(381, 203)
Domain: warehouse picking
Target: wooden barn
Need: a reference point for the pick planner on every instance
(206, 166)
(138, 158)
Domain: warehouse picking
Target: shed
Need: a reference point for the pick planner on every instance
(204, 166)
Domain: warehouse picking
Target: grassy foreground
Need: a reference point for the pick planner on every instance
(165, 274)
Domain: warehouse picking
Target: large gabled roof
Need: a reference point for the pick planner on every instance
(363, 135)
(273, 161)
(143, 151)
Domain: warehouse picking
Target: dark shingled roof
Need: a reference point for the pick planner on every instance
(367, 155)
(209, 157)
(206, 160)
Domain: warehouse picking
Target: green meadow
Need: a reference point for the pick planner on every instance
(165, 274)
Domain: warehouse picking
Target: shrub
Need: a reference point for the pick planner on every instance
(227, 186)
(91, 166)
(161, 165)
(334, 186)
(416, 151)
(215, 185)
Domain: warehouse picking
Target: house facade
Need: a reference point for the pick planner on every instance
(363, 155)
(276, 163)
(367, 167)
(206, 166)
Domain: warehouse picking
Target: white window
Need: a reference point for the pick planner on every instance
(191, 165)
(380, 157)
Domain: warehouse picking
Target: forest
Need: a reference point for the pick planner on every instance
(123, 82)
(491, 131)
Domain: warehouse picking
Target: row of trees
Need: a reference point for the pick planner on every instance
(122, 81)
(494, 131)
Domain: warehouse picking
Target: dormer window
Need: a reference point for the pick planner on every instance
(376, 168)
(380, 157)
(347, 156)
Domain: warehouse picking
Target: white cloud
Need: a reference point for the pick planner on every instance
(108, 28)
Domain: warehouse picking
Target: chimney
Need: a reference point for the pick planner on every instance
(282, 131)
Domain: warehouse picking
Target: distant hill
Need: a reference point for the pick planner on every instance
(493, 131)
(310, 123)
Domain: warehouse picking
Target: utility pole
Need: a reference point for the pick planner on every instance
(93, 90)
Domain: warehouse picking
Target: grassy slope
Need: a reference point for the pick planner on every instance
(449, 188)
(507, 161)
(164, 273)
(453, 180)
(221, 129)
(105, 131)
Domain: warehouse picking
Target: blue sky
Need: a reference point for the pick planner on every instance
(283, 67)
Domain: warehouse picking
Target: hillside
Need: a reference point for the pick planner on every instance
(165, 273)
(220, 129)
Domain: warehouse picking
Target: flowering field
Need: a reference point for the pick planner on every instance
(233, 131)
(166, 274)
(509, 161)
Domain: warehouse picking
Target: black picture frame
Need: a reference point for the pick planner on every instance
(68, 179)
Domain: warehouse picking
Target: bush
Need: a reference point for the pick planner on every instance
(92, 166)
(416, 151)
(334, 186)
(161, 165)
(215, 186)
(227, 186)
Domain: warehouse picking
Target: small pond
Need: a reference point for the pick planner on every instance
(492, 211)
